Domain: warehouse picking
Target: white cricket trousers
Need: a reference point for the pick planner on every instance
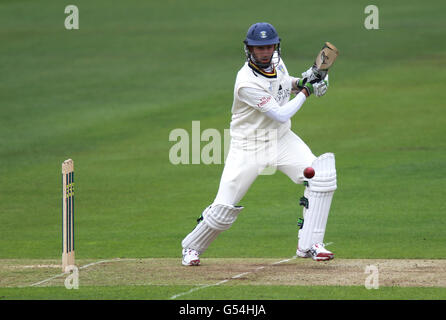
(247, 159)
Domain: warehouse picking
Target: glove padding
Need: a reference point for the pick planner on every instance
(314, 75)
(320, 88)
(303, 84)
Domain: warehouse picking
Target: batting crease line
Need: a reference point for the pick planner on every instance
(174, 296)
(226, 280)
(83, 267)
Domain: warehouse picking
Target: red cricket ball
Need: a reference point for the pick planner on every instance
(309, 172)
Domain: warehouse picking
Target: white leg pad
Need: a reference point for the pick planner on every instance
(319, 194)
(216, 218)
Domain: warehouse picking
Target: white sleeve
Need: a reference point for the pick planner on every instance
(264, 102)
(285, 112)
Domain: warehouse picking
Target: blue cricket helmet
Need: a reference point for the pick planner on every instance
(261, 34)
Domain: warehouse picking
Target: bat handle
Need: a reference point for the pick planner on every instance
(319, 74)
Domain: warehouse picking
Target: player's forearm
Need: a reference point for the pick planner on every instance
(285, 112)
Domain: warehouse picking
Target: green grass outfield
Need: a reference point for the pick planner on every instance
(108, 95)
(225, 293)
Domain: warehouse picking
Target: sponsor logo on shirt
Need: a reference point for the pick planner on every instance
(263, 101)
(282, 95)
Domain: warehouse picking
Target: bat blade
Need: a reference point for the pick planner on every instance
(326, 56)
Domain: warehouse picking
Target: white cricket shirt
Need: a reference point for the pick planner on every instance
(249, 120)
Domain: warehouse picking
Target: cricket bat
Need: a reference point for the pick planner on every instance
(324, 60)
(326, 57)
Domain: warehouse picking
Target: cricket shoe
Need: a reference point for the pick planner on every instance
(302, 253)
(190, 257)
(319, 253)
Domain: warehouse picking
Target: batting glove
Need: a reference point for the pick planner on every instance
(320, 87)
(303, 84)
(314, 75)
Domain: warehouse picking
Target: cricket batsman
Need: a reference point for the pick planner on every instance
(261, 137)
